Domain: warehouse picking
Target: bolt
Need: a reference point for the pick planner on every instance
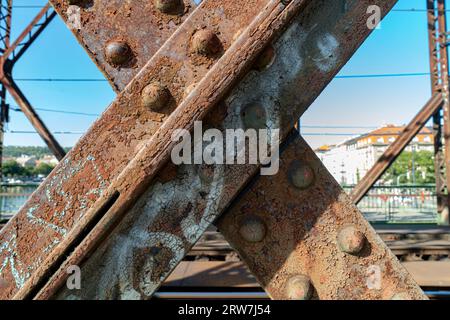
(168, 6)
(206, 42)
(254, 116)
(299, 288)
(265, 59)
(252, 229)
(155, 96)
(350, 240)
(301, 175)
(118, 53)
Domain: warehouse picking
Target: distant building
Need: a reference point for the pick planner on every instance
(49, 159)
(26, 161)
(350, 160)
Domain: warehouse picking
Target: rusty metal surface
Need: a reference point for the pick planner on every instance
(396, 148)
(139, 173)
(308, 238)
(179, 206)
(445, 90)
(439, 159)
(61, 202)
(138, 23)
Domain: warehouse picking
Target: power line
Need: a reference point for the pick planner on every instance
(384, 75)
(414, 10)
(17, 109)
(351, 76)
(80, 133)
(54, 132)
(59, 80)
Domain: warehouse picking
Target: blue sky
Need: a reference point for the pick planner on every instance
(400, 46)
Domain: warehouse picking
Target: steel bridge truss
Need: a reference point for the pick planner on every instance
(120, 210)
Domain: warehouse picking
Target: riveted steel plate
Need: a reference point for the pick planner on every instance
(303, 235)
(86, 172)
(140, 24)
(184, 200)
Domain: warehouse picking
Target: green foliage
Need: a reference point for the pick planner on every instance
(13, 169)
(402, 168)
(43, 168)
(17, 151)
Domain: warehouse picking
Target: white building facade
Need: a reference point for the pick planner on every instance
(350, 160)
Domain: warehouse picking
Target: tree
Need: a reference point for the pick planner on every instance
(12, 169)
(43, 168)
(401, 170)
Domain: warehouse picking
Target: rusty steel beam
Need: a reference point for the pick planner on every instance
(444, 69)
(300, 248)
(29, 34)
(5, 35)
(137, 176)
(181, 203)
(439, 160)
(396, 148)
(10, 56)
(140, 27)
(59, 207)
(32, 116)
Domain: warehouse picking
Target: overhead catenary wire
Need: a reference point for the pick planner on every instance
(347, 134)
(350, 76)
(60, 111)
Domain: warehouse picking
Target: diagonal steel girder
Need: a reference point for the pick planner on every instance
(64, 205)
(10, 56)
(308, 240)
(116, 286)
(395, 149)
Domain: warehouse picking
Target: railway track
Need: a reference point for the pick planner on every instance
(407, 242)
(213, 270)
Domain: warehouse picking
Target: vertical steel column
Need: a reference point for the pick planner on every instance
(439, 161)
(5, 26)
(443, 62)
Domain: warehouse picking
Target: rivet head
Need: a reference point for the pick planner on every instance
(252, 229)
(350, 240)
(301, 175)
(155, 96)
(206, 42)
(118, 53)
(265, 59)
(401, 296)
(254, 116)
(299, 288)
(168, 6)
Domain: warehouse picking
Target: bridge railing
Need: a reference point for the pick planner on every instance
(406, 203)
